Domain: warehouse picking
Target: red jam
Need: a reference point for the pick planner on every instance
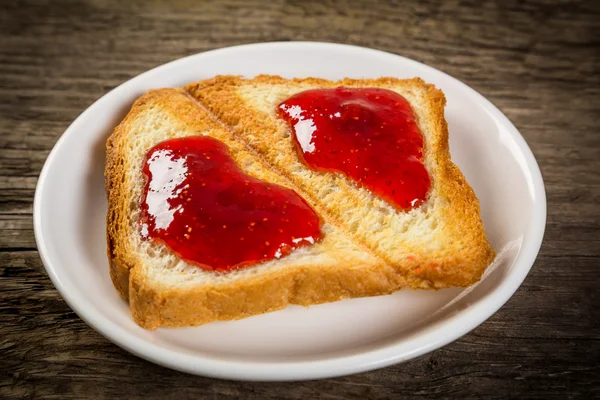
(369, 135)
(200, 204)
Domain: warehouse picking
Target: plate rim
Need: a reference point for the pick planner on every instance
(459, 325)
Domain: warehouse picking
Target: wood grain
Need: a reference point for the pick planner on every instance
(537, 60)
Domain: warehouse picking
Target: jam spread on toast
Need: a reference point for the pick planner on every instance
(199, 203)
(368, 134)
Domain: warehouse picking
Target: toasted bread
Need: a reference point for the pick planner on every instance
(443, 242)
(373, 249)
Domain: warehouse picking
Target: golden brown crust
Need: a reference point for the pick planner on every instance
(118, 249)
(154, 305)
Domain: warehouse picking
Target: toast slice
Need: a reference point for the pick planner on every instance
(439, 244)
(163, 290)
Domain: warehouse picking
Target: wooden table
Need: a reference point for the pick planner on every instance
(538, 61)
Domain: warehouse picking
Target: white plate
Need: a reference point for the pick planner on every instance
(296, 343)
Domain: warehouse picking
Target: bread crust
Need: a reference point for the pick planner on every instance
(154, 304)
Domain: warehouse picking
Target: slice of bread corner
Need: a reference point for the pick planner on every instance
(442, 243)
(163, 290)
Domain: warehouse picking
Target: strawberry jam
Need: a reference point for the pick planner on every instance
(200, 204)
(370, 135)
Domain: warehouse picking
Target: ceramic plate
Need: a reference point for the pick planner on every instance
(296, 343)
